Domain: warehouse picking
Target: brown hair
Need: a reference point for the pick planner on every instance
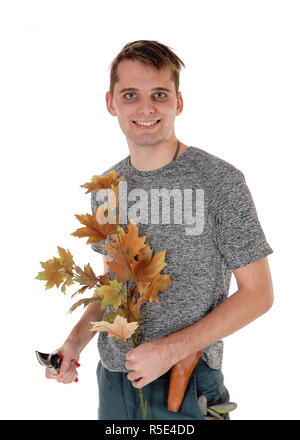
(151, 53)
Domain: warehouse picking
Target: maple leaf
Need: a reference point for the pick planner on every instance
(120, 328)
(147, 268)
(67, 263)
(58, 270)
(95, 231)
(159, 283)
(113, 294)
(86, 276)
(51, 274)
(102, 182)
(104, 279)
(66, 259)
(123, 250)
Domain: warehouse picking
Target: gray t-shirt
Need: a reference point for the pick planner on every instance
(200, 210)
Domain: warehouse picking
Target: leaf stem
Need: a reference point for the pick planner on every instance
(127, 344)
(143, 407)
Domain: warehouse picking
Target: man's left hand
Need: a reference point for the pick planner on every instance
(147, 362)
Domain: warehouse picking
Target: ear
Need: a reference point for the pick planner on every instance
(109, 104)
(179, 104)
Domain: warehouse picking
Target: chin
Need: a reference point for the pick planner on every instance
(146, 142)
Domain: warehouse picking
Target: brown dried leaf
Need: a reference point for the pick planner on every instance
(120, 329)
(160, 283)
(101, 182)
(95, 231)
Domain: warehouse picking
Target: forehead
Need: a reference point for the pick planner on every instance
(133, 73)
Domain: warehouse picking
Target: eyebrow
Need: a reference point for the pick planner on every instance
(133, 89)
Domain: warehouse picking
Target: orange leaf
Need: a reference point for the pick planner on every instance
(123, 250)
(146, 269)
(160, 283)
(131, 243)
(95, 231)
(102, 182)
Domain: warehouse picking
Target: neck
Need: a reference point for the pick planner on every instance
(152, 157)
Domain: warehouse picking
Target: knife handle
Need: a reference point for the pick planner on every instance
(180, 374)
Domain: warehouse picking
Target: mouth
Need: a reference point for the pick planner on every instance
(146, 127)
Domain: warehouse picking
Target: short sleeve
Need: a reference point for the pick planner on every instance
(238, 232)
(94, 205)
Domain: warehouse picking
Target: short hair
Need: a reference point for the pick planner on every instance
(151, 53)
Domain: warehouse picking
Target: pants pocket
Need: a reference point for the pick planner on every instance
(210, 383)
(193, 398)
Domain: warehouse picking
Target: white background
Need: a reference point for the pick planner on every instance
(241, 102)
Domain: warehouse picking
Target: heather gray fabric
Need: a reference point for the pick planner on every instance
(226, 235)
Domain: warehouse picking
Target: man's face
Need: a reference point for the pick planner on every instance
(147, 103)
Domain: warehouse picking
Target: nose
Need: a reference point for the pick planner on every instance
(145, 107)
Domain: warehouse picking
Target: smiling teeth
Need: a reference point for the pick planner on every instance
(146, 123)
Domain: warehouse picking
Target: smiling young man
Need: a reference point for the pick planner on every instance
(209, 231)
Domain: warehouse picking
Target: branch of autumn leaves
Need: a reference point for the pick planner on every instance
(132, 259)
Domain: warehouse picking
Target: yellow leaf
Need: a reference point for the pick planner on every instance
(51, 273)
(66, 259)
(112, 294)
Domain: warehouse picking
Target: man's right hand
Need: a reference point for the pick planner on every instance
(77, 340)
(68, 372)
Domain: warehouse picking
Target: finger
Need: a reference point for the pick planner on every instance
(58, 377)
(49, 375)
(133, 376)
(70, 378)
(66, 376)
(137, 383)
(70, 375)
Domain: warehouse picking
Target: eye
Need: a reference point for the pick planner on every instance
(130, 93)
(157, 93)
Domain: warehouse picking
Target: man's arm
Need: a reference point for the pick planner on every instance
(253, 298)
(79, 337)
